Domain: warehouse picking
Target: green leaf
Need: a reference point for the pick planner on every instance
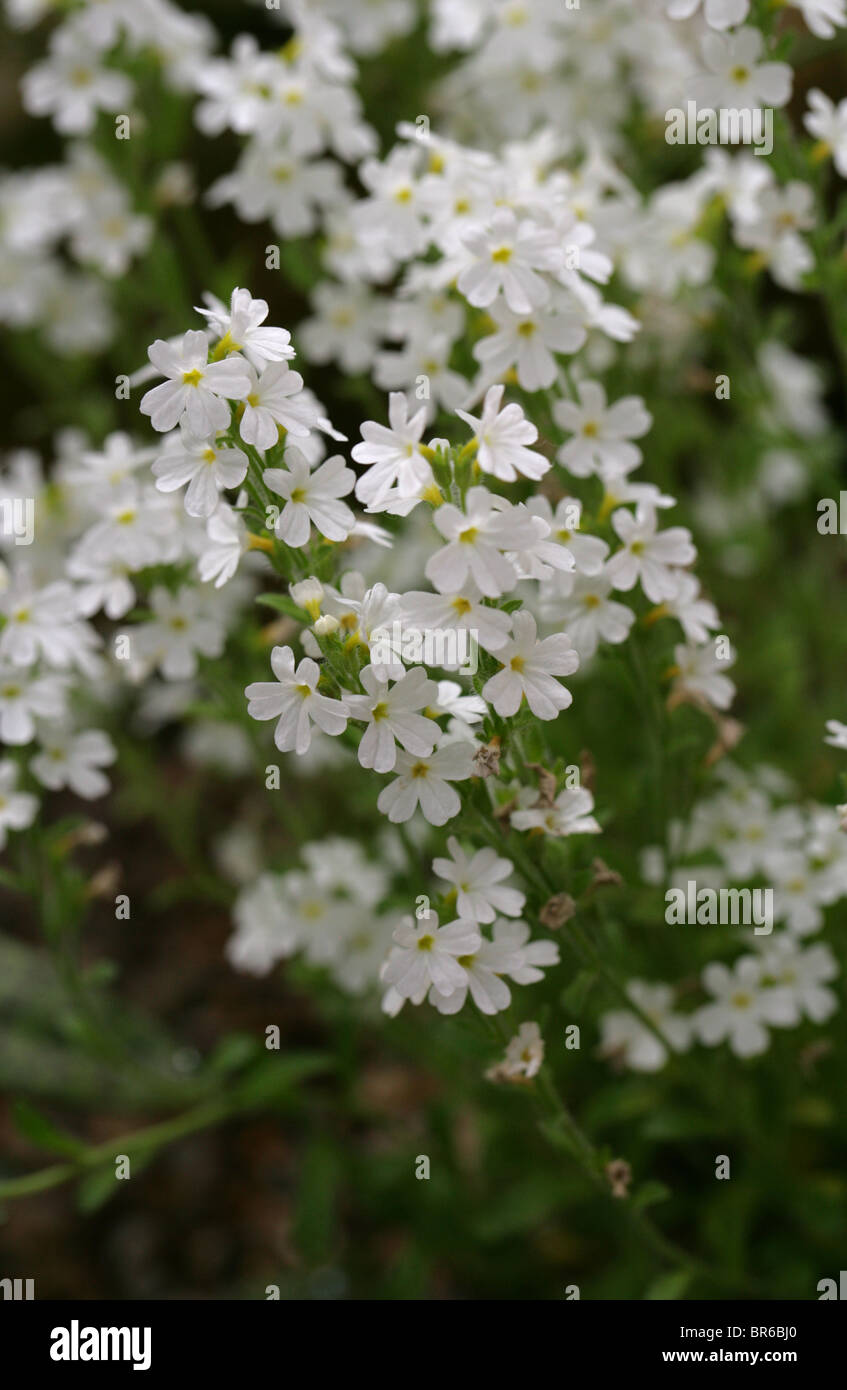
(314, 1219)
(578, 990)
(95, 1189)
(649, 1194)
(283, 604)
(42, 1132)
(669, 1286)
(277, 1074)
(232, 1053)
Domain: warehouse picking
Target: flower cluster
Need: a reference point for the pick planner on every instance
(802, 854)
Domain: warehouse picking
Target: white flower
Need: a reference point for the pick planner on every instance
(649, 555)
(624, 1037)
(529, 669)
(276, 399)
(393, 453)
(742, 1007)
(460, 611)
(428, 955)
(836, 733)
(588, 613)
(781, 213)
(424, 782)
(390, 714)
(697, 616)
(196, 389)
(294, 701)
(528, 342)
(462, 709)
(828, 123)
(312, 498)
(524, 1055)
(476, 540)
(181, 627)
(797, 892)
(107, 468)
(367, 615)
(240, 328)
(72, 86)
(821, 16)
(736, 80)
(45, 623)
(74, 760)
(17, 809)
(602, 433)
(589, 552)
(804, 973)
(347, 326)
(227, 541)
(700, 671)
(511, 953)
(480, 894)
(206, 466)
(134, 529)
(24, 698)
(570, 814)
(506, 258)
(502, 436)
(718, 14)
(111, 235)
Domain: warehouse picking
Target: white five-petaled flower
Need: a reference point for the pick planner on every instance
(207, 466)
(295, 702)
(524, 1056)
(72, 85)
(240, 328)
(480, 893)
(700, 671)
(429, 954)
(603, 434)
(25, 697)
(529, 669)
(462, 611)
(502, 437)
(570, 814)
(625, 1037)
(393, 453)
(736, 79)
(17, 809)
(197, 390)
(828, 123)
(742, 1007)
(506, 257)
(74, 760)
(510, 953)
(276, 400)
(182, 625)
(654, 557)
(392, 717)
(312, 498)
(424, 782)
(476, 539)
